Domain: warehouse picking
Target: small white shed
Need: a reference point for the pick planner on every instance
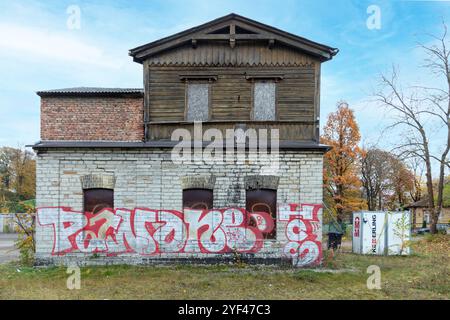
(381, 232)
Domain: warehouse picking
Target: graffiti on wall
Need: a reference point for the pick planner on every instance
(151, 232)
(302, 233)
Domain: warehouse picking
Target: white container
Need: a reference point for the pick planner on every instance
(381, 233)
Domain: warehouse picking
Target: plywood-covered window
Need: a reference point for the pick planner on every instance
(94, 200)
(263, 200)
(197, 101)
(198, 199)
(264, 100)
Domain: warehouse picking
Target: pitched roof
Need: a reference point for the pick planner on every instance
(423, 203)
(91, 91)
(256, 31)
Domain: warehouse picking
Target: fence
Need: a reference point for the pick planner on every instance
(7, 223)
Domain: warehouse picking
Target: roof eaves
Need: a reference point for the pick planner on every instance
(91, 91)
(283, 145)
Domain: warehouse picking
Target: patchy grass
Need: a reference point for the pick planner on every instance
(423, 275)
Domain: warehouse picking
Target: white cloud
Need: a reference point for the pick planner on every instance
(48, 44)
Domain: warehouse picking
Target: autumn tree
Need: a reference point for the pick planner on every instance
(341, 180)
(375, 176)
(17, 175)
(387, 181)
(401, 183)
(416, 167)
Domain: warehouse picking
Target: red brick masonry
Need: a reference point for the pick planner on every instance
(92, 118)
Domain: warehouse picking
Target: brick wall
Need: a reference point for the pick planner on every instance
(149, 179)
(92, 118)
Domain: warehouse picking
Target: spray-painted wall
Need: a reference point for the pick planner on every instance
(166, 233)
(149, 223)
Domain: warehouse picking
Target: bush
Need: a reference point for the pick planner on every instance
(25, 242)
(436, 238)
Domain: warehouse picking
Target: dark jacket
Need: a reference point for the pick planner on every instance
(336, 227)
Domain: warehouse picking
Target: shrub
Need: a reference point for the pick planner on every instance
(25, 228)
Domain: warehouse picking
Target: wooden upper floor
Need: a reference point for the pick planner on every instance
(232, 72)
(229, 73)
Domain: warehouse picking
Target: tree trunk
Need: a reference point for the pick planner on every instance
(339, 204)
(430, 193)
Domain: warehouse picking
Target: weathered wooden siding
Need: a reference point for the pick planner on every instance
(231, 94)
(166, 95)
(290, 131)
(246, 53)
(296, 94)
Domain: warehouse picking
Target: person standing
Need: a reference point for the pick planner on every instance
(336, 229)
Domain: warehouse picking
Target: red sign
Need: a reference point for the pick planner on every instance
(356, 227)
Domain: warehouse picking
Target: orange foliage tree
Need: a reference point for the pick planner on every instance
(341, 164)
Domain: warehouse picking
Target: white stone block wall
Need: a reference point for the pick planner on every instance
(147, 178)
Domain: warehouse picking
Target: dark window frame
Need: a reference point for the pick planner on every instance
(265, 195)
(102, 193)
(189, 197)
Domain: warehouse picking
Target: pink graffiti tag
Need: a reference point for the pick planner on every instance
(302, 231)
(148, 232)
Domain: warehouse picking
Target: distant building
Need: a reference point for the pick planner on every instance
(421, 215)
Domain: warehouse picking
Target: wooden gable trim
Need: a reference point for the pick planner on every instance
(261, 32)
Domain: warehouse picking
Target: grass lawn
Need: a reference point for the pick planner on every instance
(423, 275)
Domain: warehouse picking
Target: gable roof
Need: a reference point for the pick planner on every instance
(233, 27)
(423, 203)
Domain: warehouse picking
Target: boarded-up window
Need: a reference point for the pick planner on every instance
(197, 102)
(264, 93)
(263, 200)
(198, 199)
(97, 199)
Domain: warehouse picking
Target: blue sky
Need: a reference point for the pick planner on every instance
(38, 51)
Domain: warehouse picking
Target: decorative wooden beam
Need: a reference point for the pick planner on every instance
(236, 36)
(198, 76)
(232, 35)
(263, 76)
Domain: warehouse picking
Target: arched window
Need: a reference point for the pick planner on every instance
(263, 200)
(198, 198)
(94, 200)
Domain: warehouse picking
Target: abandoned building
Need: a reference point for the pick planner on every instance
(108, 190)
(421, 217)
